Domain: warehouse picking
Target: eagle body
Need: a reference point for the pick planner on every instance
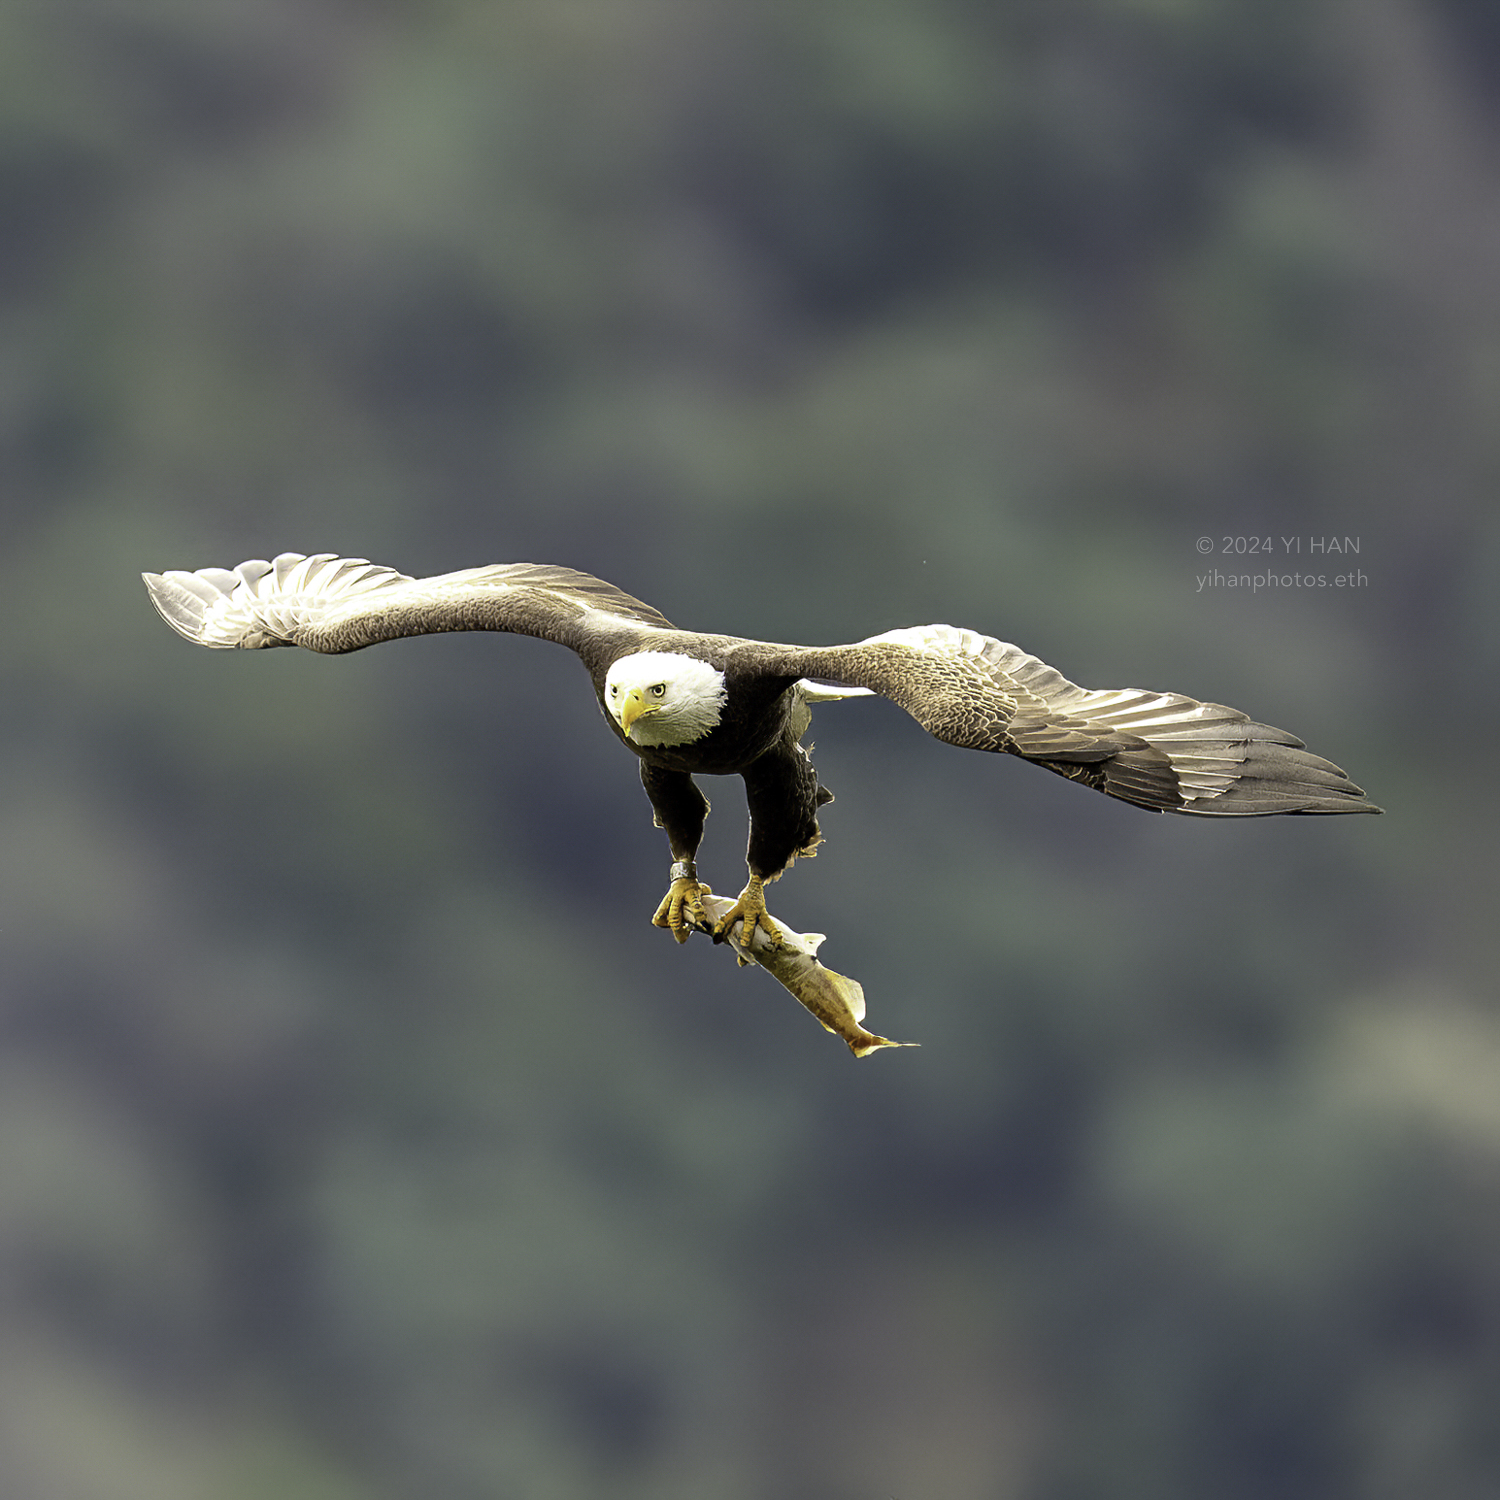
(689, 704)
(757, 737)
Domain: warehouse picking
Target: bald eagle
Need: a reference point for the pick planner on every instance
(716, 705)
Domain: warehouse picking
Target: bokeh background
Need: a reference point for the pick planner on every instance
(359, 1140)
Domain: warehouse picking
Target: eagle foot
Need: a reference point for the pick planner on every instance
(749, 909)
(681, 908)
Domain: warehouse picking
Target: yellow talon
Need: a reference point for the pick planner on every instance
(681, 908)
(749, 909)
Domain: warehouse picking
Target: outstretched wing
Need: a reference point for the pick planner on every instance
(336, 604)
(1161, 751)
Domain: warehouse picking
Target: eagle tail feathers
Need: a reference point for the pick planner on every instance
(814, 690)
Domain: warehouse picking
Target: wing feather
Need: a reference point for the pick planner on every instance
(1162, 751)
(336, 604)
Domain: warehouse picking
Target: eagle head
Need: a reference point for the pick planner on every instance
(661, 698)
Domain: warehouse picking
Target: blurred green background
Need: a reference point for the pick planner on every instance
(359, 1139)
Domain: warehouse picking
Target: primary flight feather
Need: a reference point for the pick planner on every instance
(689, 704)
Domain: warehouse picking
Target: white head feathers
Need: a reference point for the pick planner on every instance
(661, 698)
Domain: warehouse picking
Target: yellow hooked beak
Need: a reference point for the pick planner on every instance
(634, 707)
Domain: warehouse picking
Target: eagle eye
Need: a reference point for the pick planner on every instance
(658, 689)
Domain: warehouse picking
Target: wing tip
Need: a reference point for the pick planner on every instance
(1301, 783)
(216, 607)
(184, 601)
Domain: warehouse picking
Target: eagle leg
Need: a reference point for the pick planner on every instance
(681, 908)
(750, 908)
